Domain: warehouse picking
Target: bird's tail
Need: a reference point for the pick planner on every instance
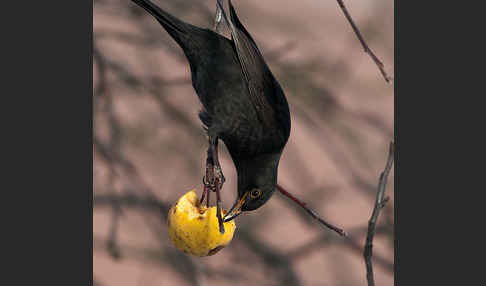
(175, 27)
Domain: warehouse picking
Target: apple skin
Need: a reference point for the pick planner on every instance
(194, 228)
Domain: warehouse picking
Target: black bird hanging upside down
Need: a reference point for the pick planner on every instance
(243, 105)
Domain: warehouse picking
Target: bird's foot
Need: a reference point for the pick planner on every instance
(219, 208)
(210, 180)
(214, 182)
(219, 177)
(208, 183)
(206, 191)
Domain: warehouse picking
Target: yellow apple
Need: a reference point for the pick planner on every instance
(194, 229)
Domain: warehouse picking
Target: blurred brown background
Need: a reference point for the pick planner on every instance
(149, 147)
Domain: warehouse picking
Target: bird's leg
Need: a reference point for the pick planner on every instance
(217, 166)
(209, 184)
(218, 178)
(218, 208)
(213, 182)
(208, 179)
(206, 191)
(207, 201)
(218, 17)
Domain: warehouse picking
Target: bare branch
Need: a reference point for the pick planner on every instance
(311, 212)
(367, 50)
(379, 204)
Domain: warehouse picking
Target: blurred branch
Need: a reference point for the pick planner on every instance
(133, 201)
(271, 257)
(277, 53)
(336, 150)
(379, 204)
(111, 244)
(101, 64)
(367, 50)
(352, 242)
(113, 144)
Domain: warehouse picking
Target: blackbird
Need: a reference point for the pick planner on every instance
(242, 104)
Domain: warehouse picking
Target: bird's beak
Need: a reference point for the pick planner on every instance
(236, 209)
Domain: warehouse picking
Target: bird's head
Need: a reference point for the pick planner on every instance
(257, 178)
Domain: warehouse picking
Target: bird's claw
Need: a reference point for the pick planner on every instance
(214, 185)
(208, 183)
(214, 181)
(220, 177)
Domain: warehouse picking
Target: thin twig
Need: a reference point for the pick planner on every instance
(367, 50)
(379, 204)
(309, 211)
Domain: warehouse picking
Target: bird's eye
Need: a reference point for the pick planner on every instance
(255, 193)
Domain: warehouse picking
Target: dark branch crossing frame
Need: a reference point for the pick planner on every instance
(379, 204)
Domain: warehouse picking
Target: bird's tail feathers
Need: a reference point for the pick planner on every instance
(174, 26)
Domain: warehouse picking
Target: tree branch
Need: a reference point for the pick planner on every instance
(309, 211)
(379, 204)
(367, 50)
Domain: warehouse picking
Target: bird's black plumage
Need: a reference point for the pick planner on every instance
(243, 104)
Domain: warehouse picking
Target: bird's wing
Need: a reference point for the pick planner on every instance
(257, 75)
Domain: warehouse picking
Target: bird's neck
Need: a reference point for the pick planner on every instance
(260, 170)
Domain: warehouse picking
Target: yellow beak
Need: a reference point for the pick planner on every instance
(236, 209)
